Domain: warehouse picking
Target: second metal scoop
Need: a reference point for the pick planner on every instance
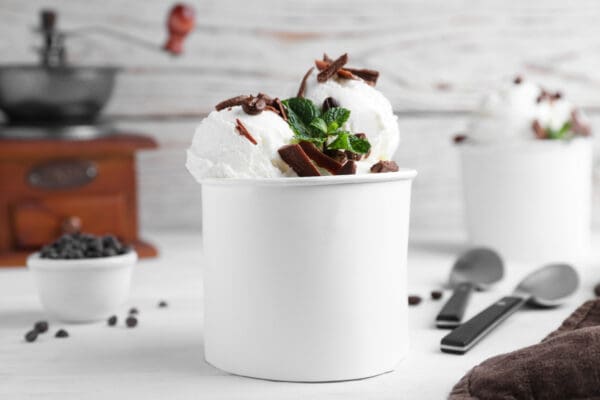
(545, 287)
(475, 269)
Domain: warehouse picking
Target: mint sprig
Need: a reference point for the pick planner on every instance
(561, 133)
(324, 129)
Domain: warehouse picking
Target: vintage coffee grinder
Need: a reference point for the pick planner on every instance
(64, 167)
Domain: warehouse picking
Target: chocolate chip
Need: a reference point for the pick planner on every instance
(328, 103)
(112, 321)
(518, 79)
(133, 311)
(254, 105)
(436, 294)
(353, 156)
(459, 138)
(31, 336)
(297, 159)
(597, 290)
(349, 168)
(337, 155)
(413, 300)
(41, 326)
(61, 333)
(384, 166)
(131, 321)
(162, 304)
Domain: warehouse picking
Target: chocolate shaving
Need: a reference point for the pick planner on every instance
(273, 109)
(321, 159)
(332, 68)
(337, 155)
(244, 132)
(296, 158)
(302, 87)
(277, 104)
(234, 101)
(326, 58)
(349, 168)
(518, 79)
(329, 103)
(321, 65)
(459, 138)
(345, 74)
(539, 131)
(384, 166)
(578, 126)
(368, 75)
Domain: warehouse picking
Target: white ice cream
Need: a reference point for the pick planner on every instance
(219, 151)
(370, 113)
(507, 115)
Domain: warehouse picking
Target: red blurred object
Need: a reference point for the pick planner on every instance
(180, 22)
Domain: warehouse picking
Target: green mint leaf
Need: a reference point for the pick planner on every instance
(295, 122)
(338, 115)
(304, 108)
(358, 145)
(341, 142)
(332, 127)
(319, 125)
(560, 133)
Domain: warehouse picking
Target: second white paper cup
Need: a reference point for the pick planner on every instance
(305, 278)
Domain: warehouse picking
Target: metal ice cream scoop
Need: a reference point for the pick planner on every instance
(545, 287)
(475, 269)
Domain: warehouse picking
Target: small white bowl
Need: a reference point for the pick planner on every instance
(83, 290)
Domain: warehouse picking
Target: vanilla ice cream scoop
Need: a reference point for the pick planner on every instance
(523, 111)
(370, 113)
(220, 150)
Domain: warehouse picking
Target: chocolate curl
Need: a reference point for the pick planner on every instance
(244, 132)
(234, 101)
(281, 108)
(370, 76)
(296, 158)
(302, 87)
(332, 68)
(384, 166)
(321, 159)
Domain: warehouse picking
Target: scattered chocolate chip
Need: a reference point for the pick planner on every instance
(112, 321)
(302, 87)
(234, 101)
(296, 158)
(321, 159)
(332, 68)
(349, 168)
(518, 79)
(329, 103)
(162, 304)
(578, 126)
(61, 333)
(279, 106)
(557, 96)
(436, 294)
(368, 75)
(131, 321)
(41, 326)
(459, 138)
(244, 132)
(254, 105)
(413, 300)
(31, 336)
(133, 311)
(540, 132)
(384, 166)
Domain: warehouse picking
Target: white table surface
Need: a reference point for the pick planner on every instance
(163, 357)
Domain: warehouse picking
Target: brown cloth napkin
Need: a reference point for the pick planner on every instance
(564, 366)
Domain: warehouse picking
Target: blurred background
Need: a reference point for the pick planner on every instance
(436, 58)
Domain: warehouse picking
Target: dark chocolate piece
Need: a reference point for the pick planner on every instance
(540, 132)
(234, 101)
(31, 336)
(332, 68)
(277, 104)
(296, 158)
(41, 326)
(321, 65)
(436, 294)
(349, 168)
(131, 321)
(244, 132)
(518, 79)
(385, 166)
(112, 321)
(162, 304)
(329, 103)
(413, 300)
(459, 138)
(337, 155)
(320, 158)
(254, 105)
(61, 333)
(370, 76)
(133, 311)
(302, 87)
(597, 290)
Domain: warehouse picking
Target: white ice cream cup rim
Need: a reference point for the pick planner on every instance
(402, 174)
(34, 261)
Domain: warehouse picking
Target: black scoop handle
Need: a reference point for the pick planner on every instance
(461, 339)
(454, 309)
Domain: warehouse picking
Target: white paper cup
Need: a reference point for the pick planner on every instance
(530, 201)
(305, 278)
